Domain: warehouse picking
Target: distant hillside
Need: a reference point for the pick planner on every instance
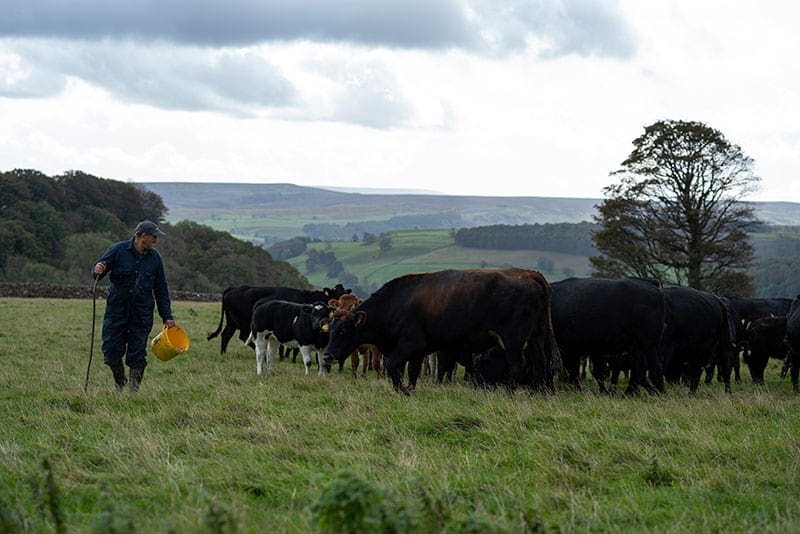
(267, 213)
(274, 212)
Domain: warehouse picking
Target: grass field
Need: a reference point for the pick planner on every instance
(209, 446)
(419, 251)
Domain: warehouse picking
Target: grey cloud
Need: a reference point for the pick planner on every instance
(404, 23)
(129, 47)
(586, 27)
(27, 83)
(166, 77)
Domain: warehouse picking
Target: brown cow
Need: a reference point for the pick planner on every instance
(366, 352)
(475, 310)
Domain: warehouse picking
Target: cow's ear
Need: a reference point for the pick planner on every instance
(333, 303)
(348, 291)
(325, 325)
(360, 317)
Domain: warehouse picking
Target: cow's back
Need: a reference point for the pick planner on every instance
(599, 316)
(453, 306)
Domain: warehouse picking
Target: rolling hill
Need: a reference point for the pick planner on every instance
(267, 213)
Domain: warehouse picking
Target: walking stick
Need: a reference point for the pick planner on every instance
(91, 343)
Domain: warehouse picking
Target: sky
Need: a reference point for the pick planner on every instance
(464, 97)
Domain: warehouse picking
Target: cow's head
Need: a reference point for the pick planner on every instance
(337, 291)
(317, 312)
(343, 335)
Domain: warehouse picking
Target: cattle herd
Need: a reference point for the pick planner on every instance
(512, 328)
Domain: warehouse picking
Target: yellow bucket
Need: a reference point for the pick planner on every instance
(169, 343)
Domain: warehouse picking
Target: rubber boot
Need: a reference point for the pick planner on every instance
(136, 378)
(118, 370)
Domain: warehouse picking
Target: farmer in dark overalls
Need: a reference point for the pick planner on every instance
(137, 284)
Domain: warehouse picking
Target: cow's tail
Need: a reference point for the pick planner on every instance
(557, 369)
(250, 339)
(552, 352)
(216, 332)
(725, 348)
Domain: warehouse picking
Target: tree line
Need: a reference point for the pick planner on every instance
(52, 229)
(569, 238)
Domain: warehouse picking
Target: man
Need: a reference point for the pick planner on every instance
(137, 283)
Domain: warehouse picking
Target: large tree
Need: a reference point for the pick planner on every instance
(677, 212)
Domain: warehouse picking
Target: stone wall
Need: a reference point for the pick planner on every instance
(55, 291)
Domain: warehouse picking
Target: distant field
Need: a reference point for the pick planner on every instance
(416, 251)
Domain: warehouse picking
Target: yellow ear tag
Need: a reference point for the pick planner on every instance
(325, 327)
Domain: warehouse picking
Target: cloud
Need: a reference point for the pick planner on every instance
(21, 80)
(480, 26)
(404, 23)
(205, 55)
(166, 77)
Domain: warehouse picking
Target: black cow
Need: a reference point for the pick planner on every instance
(463, 310)
(448, 360)
(793, 340)
(696, 335)
(597, 317)
(238, 303)
(277, 322)
(742, 312)
(749, 309)
(766, 338)
(489, 368)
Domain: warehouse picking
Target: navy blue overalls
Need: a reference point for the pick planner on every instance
(137, 283)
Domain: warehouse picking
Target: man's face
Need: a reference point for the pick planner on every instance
(147, 241)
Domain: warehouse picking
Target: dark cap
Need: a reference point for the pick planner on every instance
(149, 227)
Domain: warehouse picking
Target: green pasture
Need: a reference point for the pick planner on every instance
(416, 251)
(209, 446)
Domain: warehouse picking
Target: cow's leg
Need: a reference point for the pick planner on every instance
(366, 357)
(709, 369)
(757, 363)
(795, 370)
(261, 351)
(272, 348)
(514, 359)
(638, 367)
(787, 363)
(395, 364)
(225, 337)
(354, 361)
(615, 372)
(655, 371)
(305, 350)
(599, 367)
(377, 362)
(694, 378)
(415, 366)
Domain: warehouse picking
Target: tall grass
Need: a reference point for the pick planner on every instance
(209, 446)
